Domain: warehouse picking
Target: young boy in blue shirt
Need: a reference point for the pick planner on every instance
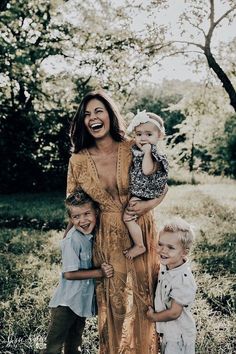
(74, 299)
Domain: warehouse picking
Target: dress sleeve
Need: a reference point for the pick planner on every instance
(71, 180)
(184, 289)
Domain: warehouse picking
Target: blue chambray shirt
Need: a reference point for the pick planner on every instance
(78, 295)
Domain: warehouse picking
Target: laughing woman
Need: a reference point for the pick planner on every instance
(100, 166)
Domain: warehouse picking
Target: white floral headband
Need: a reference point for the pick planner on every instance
(143, 117)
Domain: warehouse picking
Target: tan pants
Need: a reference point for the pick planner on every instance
(65, 328)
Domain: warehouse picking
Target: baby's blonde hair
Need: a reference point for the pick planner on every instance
(183, 230)
(159, 120)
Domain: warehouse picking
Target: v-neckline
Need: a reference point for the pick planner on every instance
(95, 171)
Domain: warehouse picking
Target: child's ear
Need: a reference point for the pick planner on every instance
(186, 251)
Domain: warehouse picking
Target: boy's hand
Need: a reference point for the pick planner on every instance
(150, 314)
(107, 270)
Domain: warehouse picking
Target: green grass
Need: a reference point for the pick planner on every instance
(38, 211)
(30, 266)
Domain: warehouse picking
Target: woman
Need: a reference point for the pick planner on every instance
(100, 165)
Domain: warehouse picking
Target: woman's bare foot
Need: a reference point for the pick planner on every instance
(134, 251)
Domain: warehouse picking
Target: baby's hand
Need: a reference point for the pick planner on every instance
(107, 270)
(146, 148)
(150, 313)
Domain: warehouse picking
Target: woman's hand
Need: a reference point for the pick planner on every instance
(137, 207)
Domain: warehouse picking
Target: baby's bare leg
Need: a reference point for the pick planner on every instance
(137, 237)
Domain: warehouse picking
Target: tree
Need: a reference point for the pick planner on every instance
(48, 59)
(223, 150)
(203, 132)
(106, 48)
(198, 24)
(25, 41)
(3, 4)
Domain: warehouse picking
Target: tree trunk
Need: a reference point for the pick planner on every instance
(222, 76)
(191, 163)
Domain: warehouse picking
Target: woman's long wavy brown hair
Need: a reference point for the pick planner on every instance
(80, 137)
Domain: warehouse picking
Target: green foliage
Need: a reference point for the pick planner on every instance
(205, 139)
(25, 42)
(223, 150)
(45, 61)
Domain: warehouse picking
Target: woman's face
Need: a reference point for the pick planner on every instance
(96, 119)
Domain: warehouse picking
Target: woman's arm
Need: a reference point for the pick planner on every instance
(70, 187)
(68, 227)
(137, 208)
(166, 315)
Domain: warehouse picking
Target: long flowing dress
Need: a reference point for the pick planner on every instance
(123, 299)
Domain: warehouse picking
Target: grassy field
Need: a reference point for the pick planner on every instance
(30, 265)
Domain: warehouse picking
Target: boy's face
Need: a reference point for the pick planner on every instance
(83, 218)
(170, 249)
(146, 133)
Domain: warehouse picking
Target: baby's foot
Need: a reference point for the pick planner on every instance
(134, 251)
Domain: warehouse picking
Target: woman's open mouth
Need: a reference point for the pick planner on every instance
(96, 126)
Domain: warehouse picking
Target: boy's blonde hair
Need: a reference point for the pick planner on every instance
(183, 230)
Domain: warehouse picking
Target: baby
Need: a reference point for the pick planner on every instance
(175, 290)
(149, 171)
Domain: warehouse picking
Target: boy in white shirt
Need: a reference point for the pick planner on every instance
(175, 290)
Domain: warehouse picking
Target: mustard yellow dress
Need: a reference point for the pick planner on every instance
(123, 299)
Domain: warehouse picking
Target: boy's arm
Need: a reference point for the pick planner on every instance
(166, 315)
(106, 271)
